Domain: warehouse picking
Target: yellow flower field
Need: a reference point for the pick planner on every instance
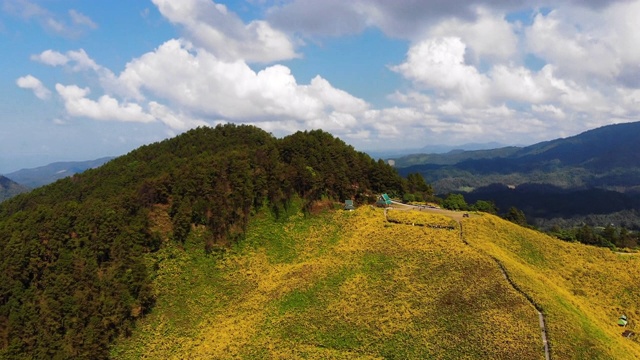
(345, 285)
(582, 289)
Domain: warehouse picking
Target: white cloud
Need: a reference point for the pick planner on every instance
(105, 108)
(34, 84)
(232, 90)
(521, 84)
(50, 21)
(177, 121)
(576, 53)
(79, 60)
(213, 27)
(204, 86)
(334, 98)
(51, 58)
(79, 57)
(550, 110)
(467, 68)
(489, 35)
(589, 45)
(81, 19)
(439, 64)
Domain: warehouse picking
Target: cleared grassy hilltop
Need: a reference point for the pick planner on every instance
(344, 285)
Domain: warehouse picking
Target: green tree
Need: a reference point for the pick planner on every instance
(485, 206)
(516, 216)
(455, 202)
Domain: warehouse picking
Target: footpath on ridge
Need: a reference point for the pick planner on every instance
(458, 216)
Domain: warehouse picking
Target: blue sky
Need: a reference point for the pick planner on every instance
(86, 79)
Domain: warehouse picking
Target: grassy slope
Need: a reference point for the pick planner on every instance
(582, 289)
(345, 285)
(339, 285)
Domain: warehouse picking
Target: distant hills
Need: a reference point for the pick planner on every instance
(44, 175)
(593, 177)
(607, 158)
(10, 188)
(433, 149)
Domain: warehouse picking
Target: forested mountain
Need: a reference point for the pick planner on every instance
(44, 175)
(10, 188)
(607, 157)
(73, 271)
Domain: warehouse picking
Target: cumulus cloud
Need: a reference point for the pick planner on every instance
(439, 64)
(554, 38)
(208, 85)
(407, 19)
(80, 58)
(466, 56)
(34, 84)
(489, 35)
(465, 76)
(403, 18)
(78, 104)
(221, 32)
(585, 44)
(51, 58)
(176, 121)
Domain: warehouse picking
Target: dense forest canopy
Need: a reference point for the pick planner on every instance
(73, 275)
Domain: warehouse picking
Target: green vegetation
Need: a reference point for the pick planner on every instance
(74, 266)
(455, 202)
(592, 178)
(346, 285)
(581, 289)
(419, 219)
(223, 243)
(351, 285)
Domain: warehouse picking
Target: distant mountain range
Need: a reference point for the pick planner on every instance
(606, 158)
(591, 178)
(44, 175)
(433, 149)
(10, 188)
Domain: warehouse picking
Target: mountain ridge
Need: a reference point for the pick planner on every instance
(10, 188)
(46, 174)
(607, 157)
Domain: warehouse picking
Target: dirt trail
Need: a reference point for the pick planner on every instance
(455, 215)
(541, 319)
(458, 216)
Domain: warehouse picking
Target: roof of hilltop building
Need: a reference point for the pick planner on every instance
(348, 205)
(384, 198)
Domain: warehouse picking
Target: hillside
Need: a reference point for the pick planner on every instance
(582, 289)
(345, 285)
(10, 188)
(44, 175)
(607, 157)
(74, 271)
(223, 243)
